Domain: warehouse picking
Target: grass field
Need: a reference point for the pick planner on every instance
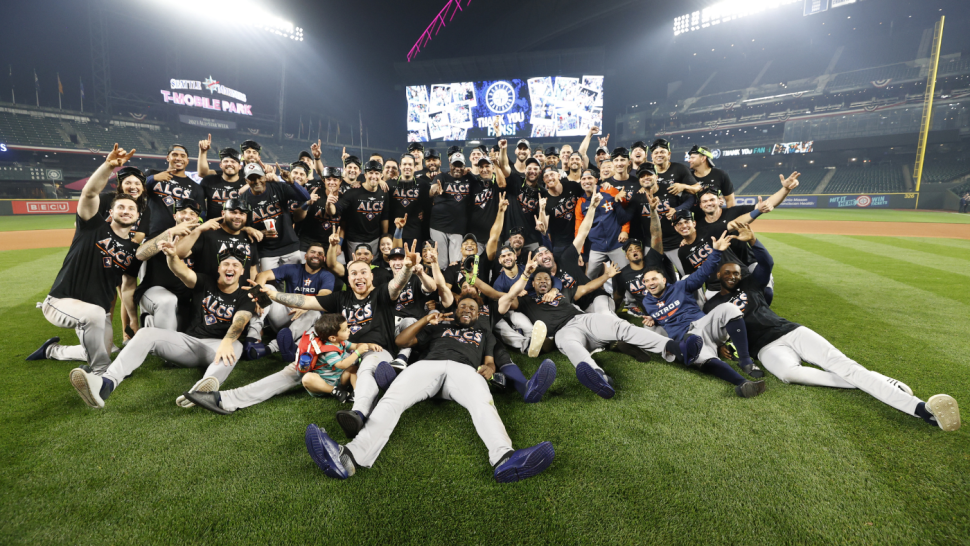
(675, 457)
(24, 223)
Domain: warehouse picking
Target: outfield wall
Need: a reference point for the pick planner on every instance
(842, 201)
(34, 207)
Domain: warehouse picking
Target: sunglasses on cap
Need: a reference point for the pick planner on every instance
(237, 204)
(250, 144)
(660, 143)
(125, 172)
(233, 252)
(183, 204)
(332, 172)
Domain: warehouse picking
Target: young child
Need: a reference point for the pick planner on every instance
(334, 359)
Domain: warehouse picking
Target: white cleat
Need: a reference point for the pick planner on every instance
(206, 384)
(88, 386)
(538, 338)
(944, 408)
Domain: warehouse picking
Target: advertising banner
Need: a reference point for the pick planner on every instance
(858, 201)
(65, 206)
(207, 123)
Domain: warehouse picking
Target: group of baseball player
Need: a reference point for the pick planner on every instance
(414, 279)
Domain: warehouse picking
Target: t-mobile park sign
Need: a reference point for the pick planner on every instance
(209, 103)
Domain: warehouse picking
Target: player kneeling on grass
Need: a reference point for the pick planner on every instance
(674, 307)
(576, 333)
(781, 345)
(458, 363)
(328, 360)
(221, 310)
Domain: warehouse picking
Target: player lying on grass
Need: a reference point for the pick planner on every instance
(577, 333)
(673, 306)
(370, 315)
(101, 257)
(782, 345)
(221, 311)
(456, 368)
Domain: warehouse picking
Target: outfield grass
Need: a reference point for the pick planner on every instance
(675, 457)
(24, 223)
(872, 215)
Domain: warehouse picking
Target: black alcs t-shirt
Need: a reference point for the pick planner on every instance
(449, 212)
(451, 341)
(679, 174)
(484, 207)
(214, 309)
(94, 264)
(371, 319)
(762, 324)
(217, 191)
(408, 197)
(362, 212)
(272, 204)
(205, 252)
(555, 313)
(162, 196)
(561, 210)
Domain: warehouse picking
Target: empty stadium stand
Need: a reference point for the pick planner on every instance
(884, 178)
(939, 171)
(767, 183)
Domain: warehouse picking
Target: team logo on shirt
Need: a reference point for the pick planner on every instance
(565, 209)
(406, 298)
(741, 300)
(357, 316)
(216, 310)
(406, 195)
(306, 282)
(171, 192)
(266, 210)
(115, 254)
(567, 280)
(608, 206)
(635, 286)
(528, 203)
(665, 311)
(464, 335)
(221, 195)
(482, 198)
(456, 190)
(371, 208)
(698, 255)
(554, 302)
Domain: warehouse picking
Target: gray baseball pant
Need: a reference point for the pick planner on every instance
(711, 329)
(92, 325)
(597, 259)
(175, 347)
(289, 377)
(510, 332)
(602, 304)
(422, 380)
(674, 257)
(783, 358)
(162, 306)
(449, 247)
(272, 262)
(586, 332)
(278, 317)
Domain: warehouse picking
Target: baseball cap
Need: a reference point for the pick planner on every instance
(602, 150)
(253, 170)
(415, 146)
(363, 245)
(452, 150)
(548, 170)
(660, 143)
(470, 236)
(332, 172)
(231, 153)
(646, 169)
(182, 204)
(484, 159)
(173, 146)
(523, 143)
(704, 152)
(632, 242)
(352, 159)
(551, 150)
(456, 157)
(236, 204)
(532, 160)
(300, 165)
(125, 172)
(639, 144)
(373, 165)
(234, 253)
(496, 148)
(247, 144)
(620, 152)
(394, 253)
(683, 214)
(432, 154)
(305, 154)
(517, 230)
(506, 248)
(482, 148)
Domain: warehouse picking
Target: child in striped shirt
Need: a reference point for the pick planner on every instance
(333, 358)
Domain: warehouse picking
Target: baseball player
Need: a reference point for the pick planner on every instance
(450, 208)
(560, 207)
(227, 229)
(369, 311)
(782, 345)
(456, 368)
(168, 187)
(309, 278)
(269, 201)
(222, 184)
(250, 150)
(221, 311)
(701, 162)
(130, 181)
(673, 306)
(101, 257)
(610, 229)
(577, 333)
(362, 210)
(486, 185)
(672, 181)
(407, 200)
(319, 224)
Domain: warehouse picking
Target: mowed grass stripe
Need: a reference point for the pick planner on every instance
(873, 245)
(942, 320)
(13, 258)
(941, 283)
(954, 248)
(29, 280)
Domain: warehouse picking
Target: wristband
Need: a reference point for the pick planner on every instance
(399, 233)
(754, 214)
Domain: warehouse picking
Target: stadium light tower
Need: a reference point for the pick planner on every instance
(251, 14)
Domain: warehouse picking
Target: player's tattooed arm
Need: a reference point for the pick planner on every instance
(402, 277)
(656, 234)
(182, 271)
(296, 301)
(226, 353)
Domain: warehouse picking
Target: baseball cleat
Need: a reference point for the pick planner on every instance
(538, 338)
(945, 410)
(341, 394)
(384, 374)
(206, 384)
(208, 400)
(398, 364)
(525, 463)
(595, 380)
(284, 340)
(540, 382)
(88, 386)
(631, 350)
(351, 421)
(41, 353)
(326, 453)
(691, 348)
(254, 350)
(752, 370)
(750, 389)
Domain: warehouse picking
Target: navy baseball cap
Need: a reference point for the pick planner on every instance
(470, 236)
(231, 153)
(532, 160)
(394, 253)
(237, 204)
(683, 214)
(183, 204)
(305, 154)
(247, 144)
(646, 169)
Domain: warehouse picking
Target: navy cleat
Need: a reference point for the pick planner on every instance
(752, 369)
(351, 421)
(284, 340)
(254, 350)
(384, 374)
(595, 380)
(750, 389)
(326, 453)
(211, 401)
(41, 354)
(540, 382)
(524, 463)
(691, 348)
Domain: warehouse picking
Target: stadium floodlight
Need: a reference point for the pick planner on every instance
(723, 12)
(247, 13)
